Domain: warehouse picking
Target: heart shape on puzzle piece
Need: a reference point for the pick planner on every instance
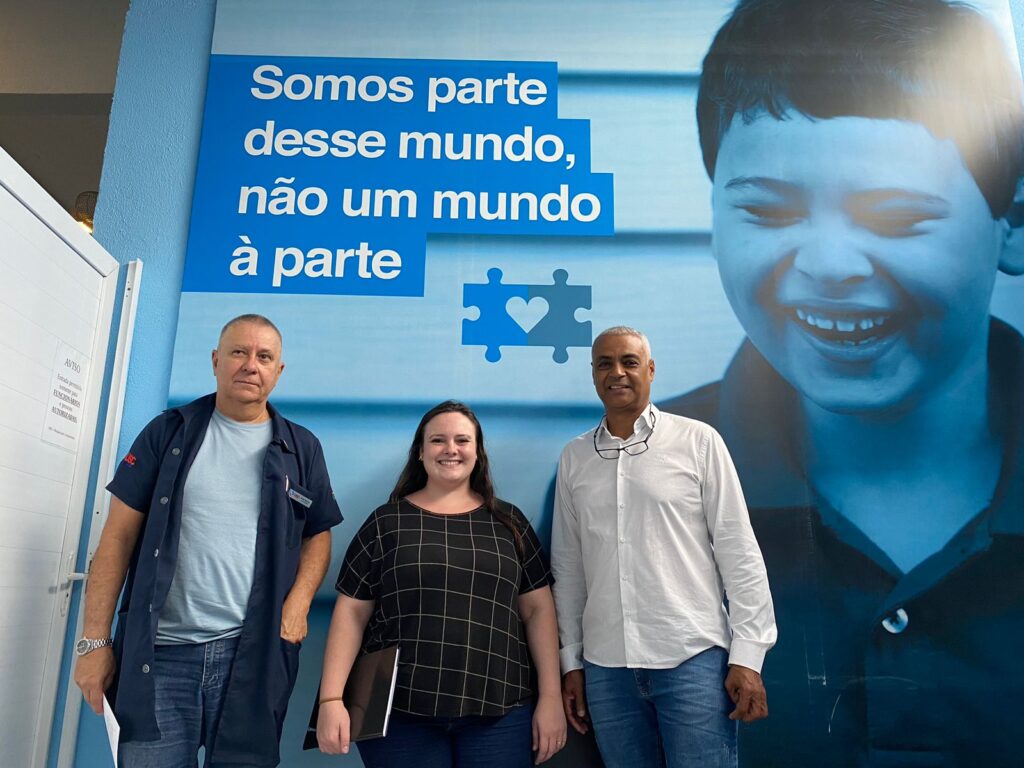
(526, 313)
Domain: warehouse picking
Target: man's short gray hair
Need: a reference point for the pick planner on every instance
(625, 330)
(251, 318)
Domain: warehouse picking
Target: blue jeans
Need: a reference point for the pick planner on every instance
(190, 681)
(446, 742)
(679, 717)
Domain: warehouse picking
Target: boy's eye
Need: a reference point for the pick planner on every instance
(895, 223)
(773, 216)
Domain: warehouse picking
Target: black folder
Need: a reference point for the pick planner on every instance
(368, 695)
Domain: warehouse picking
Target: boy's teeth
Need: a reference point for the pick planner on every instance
(819, 322)
(843, 325)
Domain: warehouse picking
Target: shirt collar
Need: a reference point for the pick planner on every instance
(644, 422)
(1006, 363)
(202, 408)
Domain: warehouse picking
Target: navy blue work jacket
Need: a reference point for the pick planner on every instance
(151, 479)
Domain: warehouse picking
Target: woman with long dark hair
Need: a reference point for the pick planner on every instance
(456, 578)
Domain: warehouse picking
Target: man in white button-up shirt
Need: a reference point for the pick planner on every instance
(650, 538)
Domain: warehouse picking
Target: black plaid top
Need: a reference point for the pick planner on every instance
(445, 588)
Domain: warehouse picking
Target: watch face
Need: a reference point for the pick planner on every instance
(82, 647)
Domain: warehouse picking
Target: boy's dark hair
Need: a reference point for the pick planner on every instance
(937, 63)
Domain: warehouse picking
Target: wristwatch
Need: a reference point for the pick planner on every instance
(88, 645)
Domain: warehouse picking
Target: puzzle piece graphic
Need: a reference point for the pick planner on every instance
(559, 328)
(495, 327)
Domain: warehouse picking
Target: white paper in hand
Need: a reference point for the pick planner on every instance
(113, 729)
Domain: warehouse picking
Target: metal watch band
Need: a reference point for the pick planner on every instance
(88, 645)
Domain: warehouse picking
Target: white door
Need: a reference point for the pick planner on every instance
(57, 289)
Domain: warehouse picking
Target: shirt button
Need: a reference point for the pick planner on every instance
(156, 552)
(145, 669)
(164, 499)
(621, 506)
(175, 451)
(622, 538)
(896, 622)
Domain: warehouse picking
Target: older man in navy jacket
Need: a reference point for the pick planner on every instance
(220, 520)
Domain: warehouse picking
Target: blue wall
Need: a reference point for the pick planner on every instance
(143, 213)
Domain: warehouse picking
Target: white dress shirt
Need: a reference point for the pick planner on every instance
(644, 548)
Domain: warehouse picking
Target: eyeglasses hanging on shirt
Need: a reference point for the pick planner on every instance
(630, 449)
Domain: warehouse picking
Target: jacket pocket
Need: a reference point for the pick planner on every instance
(299, 502)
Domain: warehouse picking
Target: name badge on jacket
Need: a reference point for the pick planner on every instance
(303, 500)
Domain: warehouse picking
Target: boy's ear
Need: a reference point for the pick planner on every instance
(1011, 261)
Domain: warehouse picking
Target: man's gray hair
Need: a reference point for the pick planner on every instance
(625, 330)
(251, 318)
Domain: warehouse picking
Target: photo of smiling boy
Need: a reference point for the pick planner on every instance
(864, 158)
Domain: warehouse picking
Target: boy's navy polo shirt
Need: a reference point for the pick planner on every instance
(151, 479)
(873, 666)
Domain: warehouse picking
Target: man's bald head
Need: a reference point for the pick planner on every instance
(255, 320)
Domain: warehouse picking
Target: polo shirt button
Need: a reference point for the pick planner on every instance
(896, 622)
(164, 499)
(145, 669)
(175, 451)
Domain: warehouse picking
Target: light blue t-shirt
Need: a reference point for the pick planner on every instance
(217, 548)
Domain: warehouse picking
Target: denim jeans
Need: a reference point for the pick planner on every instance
(678, 717)
(444, 742)
(190, 681)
